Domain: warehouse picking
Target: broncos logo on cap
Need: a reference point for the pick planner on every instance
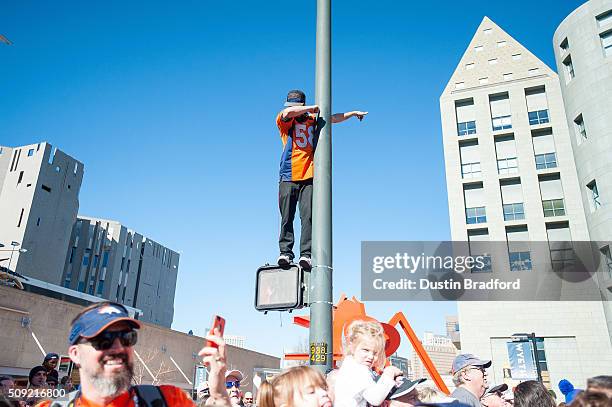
(109, 310)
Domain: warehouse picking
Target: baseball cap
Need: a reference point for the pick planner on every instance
(97, 319)
(467, 359)
(404, 388)
(50, 356)
(295, 98)
(236, 373)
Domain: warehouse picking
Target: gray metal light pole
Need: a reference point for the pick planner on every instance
(321, 346)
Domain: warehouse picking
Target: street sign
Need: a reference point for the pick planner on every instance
(279, 288)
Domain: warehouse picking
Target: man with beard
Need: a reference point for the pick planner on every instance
(232, 384)
(101, 344)
(296, 124)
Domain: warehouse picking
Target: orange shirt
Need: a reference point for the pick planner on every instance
(174, 397)
(297, 160)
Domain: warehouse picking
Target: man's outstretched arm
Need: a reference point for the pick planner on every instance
(295, 111)
(340, 117)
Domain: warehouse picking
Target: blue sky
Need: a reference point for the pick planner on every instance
(171, 108)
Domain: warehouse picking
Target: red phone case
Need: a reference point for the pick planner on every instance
(217, 322)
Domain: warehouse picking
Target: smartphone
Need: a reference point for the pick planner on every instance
(219, 323)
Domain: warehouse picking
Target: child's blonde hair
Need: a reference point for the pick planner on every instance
(282, 388)
(359, 330)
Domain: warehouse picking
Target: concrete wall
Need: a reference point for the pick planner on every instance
(589, 94)
(50, 322)
(41, 188)
(139, 272)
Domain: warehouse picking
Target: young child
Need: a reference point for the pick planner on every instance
(300, 386)
(364, 349)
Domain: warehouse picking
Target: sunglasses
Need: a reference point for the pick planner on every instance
(105, 340)
(229, 385)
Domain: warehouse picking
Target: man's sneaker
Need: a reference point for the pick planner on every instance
(305, 263)
(283, 260)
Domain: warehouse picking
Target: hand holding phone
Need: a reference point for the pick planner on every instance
(219, 324)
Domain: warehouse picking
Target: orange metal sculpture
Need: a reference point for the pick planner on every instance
(347, 311)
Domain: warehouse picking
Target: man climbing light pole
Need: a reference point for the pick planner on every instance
(321, 347)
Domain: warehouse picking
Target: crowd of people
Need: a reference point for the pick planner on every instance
(102, 339)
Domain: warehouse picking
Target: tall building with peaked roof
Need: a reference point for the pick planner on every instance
(511, 178)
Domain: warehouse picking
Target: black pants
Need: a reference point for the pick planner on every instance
(290, 193)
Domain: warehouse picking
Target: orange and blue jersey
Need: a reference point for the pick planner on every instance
(297, 160)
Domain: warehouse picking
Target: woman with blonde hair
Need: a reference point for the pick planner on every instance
(300, 386)
(364, 350)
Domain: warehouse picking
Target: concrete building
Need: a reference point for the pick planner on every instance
(108, 260)
(39, 201)
(401, 363)
(511, 178)
(235, 340)
(452, 330)
(441, 351)
(27, 318)
(583, 53)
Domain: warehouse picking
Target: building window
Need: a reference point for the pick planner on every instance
(581, 134)
(544, 161)
(500, 112)
(492, 61)
(533, 71)
(20, 217)
(501, 44)
(560, 245)
(483, 81)
(514, 211)
(538, 117)
(606, 42)
(520, 261)
(478, 48)
(551, 191)
(564, 45)
(544, 149)
(505, 150)
(469, 66)
(488, 31)
(466, 117)
(466, 128)
(508, 76)
(594, 201)
(569, 69)
(507, 166)
(553, 207)
(512, 199)
(605, 252)
(86, 259)
(459, 85)
(604, 19)
(30, 152)
(45, 188)
(475, 215)
(105, 259)
(470, 170)
(478, 240)
(516, 57)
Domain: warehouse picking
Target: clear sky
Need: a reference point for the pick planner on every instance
(171, 107)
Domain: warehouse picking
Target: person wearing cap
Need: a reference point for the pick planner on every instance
(470, 378)
(37, 377)
(101, 343)
(232, 384)
(296, 124)
(405, 394)
(493, 396)
(50, 364)
(248, 399)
